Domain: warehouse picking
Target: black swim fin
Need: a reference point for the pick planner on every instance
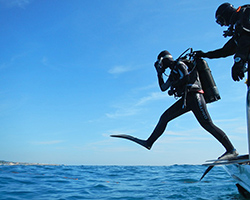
(134, 139)
(207, 170)
(229, 155)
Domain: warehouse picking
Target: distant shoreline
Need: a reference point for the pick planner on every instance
(2, 162)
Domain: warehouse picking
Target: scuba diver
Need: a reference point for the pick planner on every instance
(184, 83)
(238, 22)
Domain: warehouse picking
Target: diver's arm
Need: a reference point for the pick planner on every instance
(228, 49)
(163, 85)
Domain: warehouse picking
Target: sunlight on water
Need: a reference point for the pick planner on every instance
(115, 182)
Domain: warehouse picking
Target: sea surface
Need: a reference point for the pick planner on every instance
(22, 182)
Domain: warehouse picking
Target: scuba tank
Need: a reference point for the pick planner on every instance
(209, 87)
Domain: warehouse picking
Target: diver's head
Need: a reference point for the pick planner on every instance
(224, 13)
(165, 59)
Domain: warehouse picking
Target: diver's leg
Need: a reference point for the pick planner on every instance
(200, 111)
(174, 111)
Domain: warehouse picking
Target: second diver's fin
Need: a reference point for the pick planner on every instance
(229, 155)
(207, 170)
(134, 139)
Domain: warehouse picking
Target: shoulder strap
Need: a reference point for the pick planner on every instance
(244, 12)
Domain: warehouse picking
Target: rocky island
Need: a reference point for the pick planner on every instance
(2, 162)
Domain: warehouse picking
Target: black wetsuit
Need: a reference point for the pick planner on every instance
(239, 44)
(188, 87)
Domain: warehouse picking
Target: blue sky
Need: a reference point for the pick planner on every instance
(72, 72)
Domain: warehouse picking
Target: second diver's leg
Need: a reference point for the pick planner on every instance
(174, 111)
(200, 111)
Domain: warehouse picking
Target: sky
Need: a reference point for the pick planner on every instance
(73, 72)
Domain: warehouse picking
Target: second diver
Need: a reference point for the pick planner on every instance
(185, 84)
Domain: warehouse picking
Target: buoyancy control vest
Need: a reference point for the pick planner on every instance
(243, 15)
(206, 79)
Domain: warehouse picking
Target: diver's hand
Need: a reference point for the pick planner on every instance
(158, 68)
(199, 54)
(238, 71)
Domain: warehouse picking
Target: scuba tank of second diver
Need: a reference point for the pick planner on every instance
(209, 87)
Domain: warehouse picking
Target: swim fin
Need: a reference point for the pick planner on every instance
(134, 139)
(207, 170)
(229, 155)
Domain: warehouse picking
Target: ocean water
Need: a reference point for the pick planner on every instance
(22, 182)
